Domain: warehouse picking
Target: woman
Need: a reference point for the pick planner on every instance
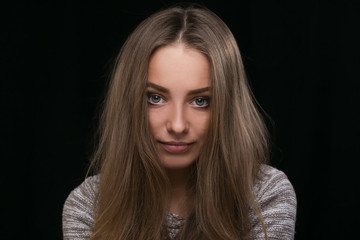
(182, 149)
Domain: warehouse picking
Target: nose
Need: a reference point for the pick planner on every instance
(177, 120)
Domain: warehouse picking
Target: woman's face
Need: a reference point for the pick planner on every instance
(178, 94)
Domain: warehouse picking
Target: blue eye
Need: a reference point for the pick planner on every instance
(155, 99)
(201, 102)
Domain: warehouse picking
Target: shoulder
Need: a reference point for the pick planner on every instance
(78, 211)
(272, 181)
(277, 201)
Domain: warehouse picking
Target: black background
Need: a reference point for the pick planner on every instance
(302, 61)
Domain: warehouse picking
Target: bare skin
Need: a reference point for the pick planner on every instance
(179, 97)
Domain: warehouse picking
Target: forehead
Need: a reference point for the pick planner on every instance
(178, 65)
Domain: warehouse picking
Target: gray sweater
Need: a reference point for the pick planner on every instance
(273, 192)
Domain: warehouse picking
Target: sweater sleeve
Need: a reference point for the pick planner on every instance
(78, 211)
(277, 200)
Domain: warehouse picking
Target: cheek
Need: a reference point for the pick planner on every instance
(202, 124)
(155, 121)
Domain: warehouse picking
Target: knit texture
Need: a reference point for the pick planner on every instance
(274, 193)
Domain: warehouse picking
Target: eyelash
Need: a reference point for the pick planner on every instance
(206, 99)
(161, 100)
(150, 95)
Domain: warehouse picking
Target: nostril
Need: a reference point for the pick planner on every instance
(178, 127)
(178, 124)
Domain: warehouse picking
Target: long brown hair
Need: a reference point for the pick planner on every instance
(133, 184)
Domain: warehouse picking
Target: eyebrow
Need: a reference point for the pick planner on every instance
(157, 87)
(164, 90)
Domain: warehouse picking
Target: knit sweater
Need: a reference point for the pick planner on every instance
(273, 191)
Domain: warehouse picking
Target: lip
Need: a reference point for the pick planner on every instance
(176, 147)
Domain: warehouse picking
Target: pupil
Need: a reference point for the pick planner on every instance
(156, 99)
(200, 101)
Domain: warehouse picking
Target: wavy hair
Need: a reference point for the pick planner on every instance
(134, 187)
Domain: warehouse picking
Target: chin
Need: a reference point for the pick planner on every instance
(177, 162)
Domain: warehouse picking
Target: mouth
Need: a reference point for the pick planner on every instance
(176, 147)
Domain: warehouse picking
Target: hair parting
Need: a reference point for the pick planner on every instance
(134, 184)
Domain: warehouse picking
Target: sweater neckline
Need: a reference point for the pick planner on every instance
(175, 222)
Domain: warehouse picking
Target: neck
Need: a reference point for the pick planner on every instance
(179, 199)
